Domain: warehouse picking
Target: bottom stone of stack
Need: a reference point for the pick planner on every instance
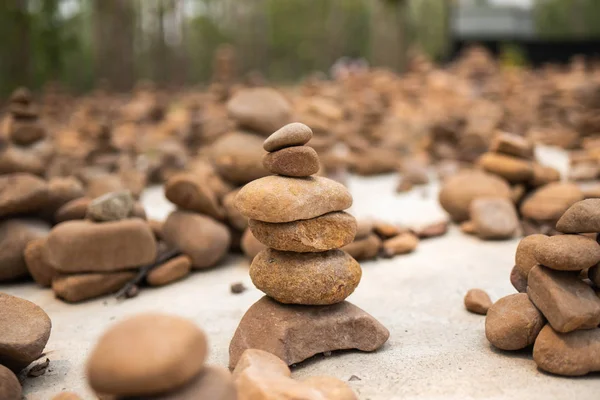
(295, 333)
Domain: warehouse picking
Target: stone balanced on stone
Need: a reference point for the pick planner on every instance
(304, 274)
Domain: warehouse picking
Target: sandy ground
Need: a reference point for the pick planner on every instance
(437, 350)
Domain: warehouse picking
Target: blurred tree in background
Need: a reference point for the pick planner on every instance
(84, 42)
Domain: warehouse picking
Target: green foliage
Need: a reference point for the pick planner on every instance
(567, 19)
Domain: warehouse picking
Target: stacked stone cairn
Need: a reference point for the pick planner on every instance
(558, 307)
(305, 276)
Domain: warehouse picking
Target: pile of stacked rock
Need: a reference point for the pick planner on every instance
(25, 331)
(558, 309)
(304, 274)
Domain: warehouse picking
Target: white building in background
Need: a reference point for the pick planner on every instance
(510, 19)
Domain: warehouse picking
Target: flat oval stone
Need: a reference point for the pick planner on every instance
(15, 235)
(74, 209)
(22, 193)
(263, 110)
(581, 217)
(364, 248)
(567, 252)
(511, 168)
(237, 157)
(305, 278)
(147, 354)
(298, 161)
(294, 134)
(170, 271)
(549, 202)
(83, 246)
(494, 217)
(79, 287)
(543, 175)
(37, 262)
(189, 191)
(284, 199)
(329, 231)
(25, 331)
(10, 387)
(203, 239)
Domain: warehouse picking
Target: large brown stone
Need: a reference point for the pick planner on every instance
(581, 217)
(147, 354)
(305, 278)
(295, 333)
(494, 218)
(238, 157)
(80, 287)
(549, 202)
(263, 110)
(326, 232)
(15, 235)
(511, 168)
(296, 161)
(564, 299)
(460, 190)
(37, 262)
(190, 192)
(22, 193)
(283, 199)
(203, 239)
(567, 252)
(83, 246)
(294, 134)
(571, 354)
(10, 387)
(25, 331)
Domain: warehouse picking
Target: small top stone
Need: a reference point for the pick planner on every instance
(112, 206)
(294, 134)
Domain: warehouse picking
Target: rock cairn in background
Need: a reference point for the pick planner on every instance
(306, 277)
(558, 309)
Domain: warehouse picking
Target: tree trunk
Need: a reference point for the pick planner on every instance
(388, 33)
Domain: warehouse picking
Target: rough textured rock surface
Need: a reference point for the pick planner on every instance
(549, 202)
(494, 217)
(263, 110)
(567, 252)
(37, 262)
(294, 134)
(511, 168)
(113, 206)
(297, 161)
(525, 254)
(10, 387)
(326, 232)
(295, 333)
(581, 217)
(305, 278)
(80, 287)
(282, 199)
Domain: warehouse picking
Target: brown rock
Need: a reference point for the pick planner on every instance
(581, 217)
(112, 206)
(156, 227)
(254, 384)
(594, 275)
(415, 172)
(170, 271)
(103, 184)
(32, 159)
(518, 280)
(189, 192)
(62, 190)
(468, 227)
(566, 301)
(262, 361)
(364, 227)
(549, 202)
(591, 192)
(403, 243)
(238, 157)
(250, 245)
(67, 396)
(571, 354)
(494, 218)
(22, 193)
(460, 190)
(74, 209)
(37, 262)
(145, 355)
(10, 387)
(525, 254)
(234, 217)
(326, 232)
(364, 249)
(295, 333)
(512, 169)
(80, 287)
(477, 301)
(294, 134)
(513, 145)
(25, 133)
(25, 331)
(282, 199)
(517, 192)
(297, 161)
(432, 230)
(331, 388)
(543, 175)
(305, 278)
(263, 110)
(567, 252)
(83, 246)
(513, 322)
(15, 234)
(203, 239)
(386, 230)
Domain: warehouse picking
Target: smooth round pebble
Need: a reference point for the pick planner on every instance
(567, 252)
(477, 301)
(297, 161)
(294, 134)
(10, 387)
(170, 271)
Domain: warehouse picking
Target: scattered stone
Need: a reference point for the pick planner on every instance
(263, 110)
(549, 202)
(171, 271)
(364, 227)
(190, 192)
(25, 331)
(511, 168)
(566, 301)
(518, 280)
(513, 145)
(403, 243)
(61, 190)
(513, 322)
(571, 354)
(15, 234)
(145, 355)
(22, 193)
(364, 249)
(305, 278)
(104, 184)
(10, 388)
(494, 218)
(581, 217)
(432, 230)
(203, 239)
(294, 134)
(83, 246)
(113, 206)
(251, 246)
(37, 262)
(283, 199)
(72, 210)
(468, 227)
(460, 190)
(525, 254)
(234, 217)
(326, 232)
(81, 287)
(386, 230)
(297, 161)
(68, 396)
(477, 301)
(295, 333)
(237, 288)
(237, 157)
(567, 252)
(543, 175)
